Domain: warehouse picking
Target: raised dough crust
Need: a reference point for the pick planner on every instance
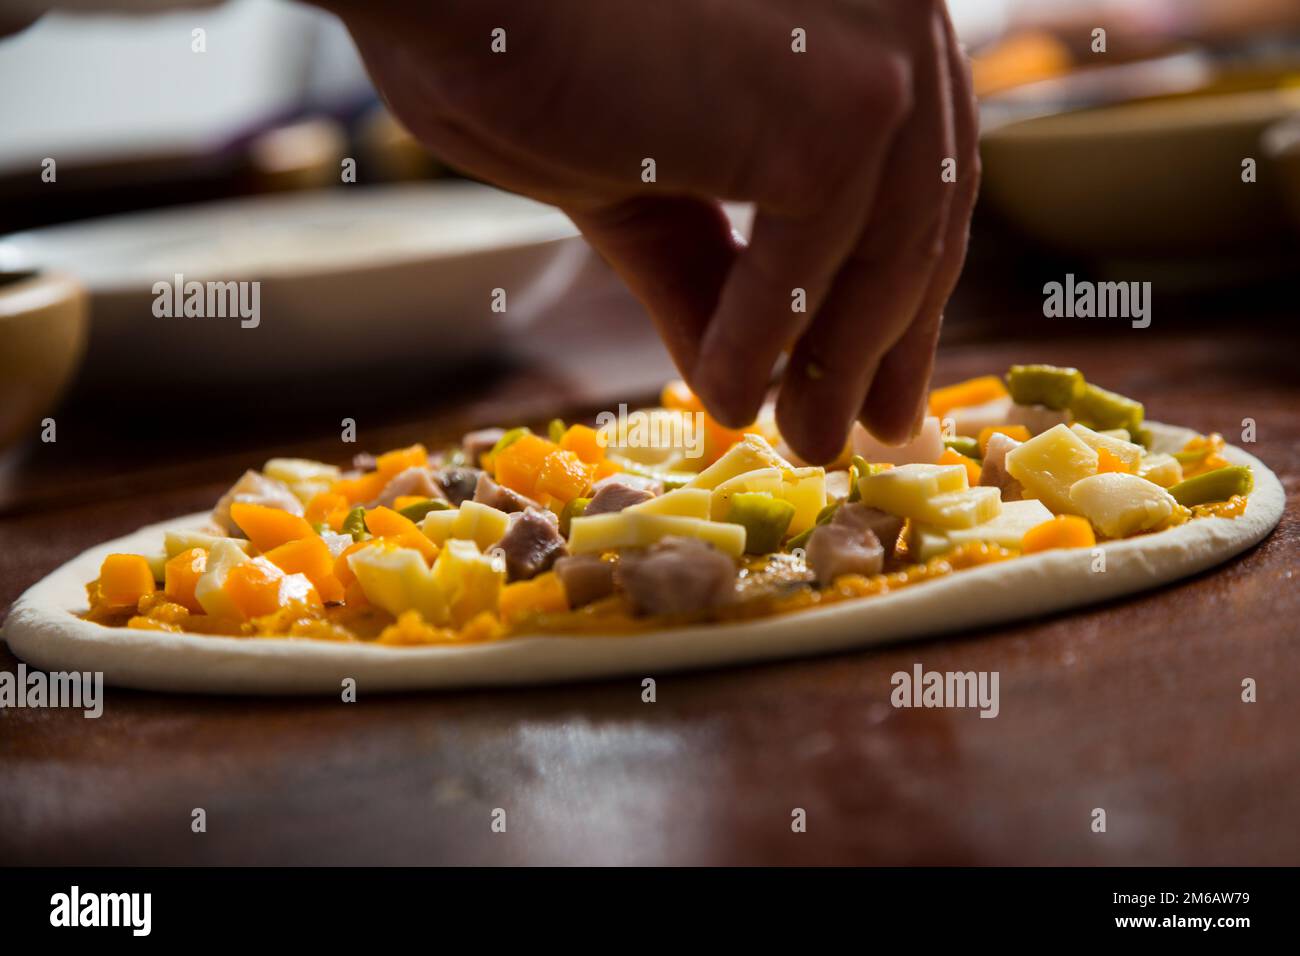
(43, 629)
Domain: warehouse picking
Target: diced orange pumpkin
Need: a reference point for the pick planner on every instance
(254, 587)
(975, 391)
(311, 558)
(544, 594)
(973, 468)
(400, 459)
(564, 476)
(382, 522)
(1063, 531)
(387, 523)
(678, 395)
(323, 505)
(1108, 462)
(519, 464)
(124, 579)
(405, 501)
(1018, 432)
(268, 527)
(362, 488)
(337, 517)
(585, 442)
(181, 574)
(605, 469)
(416, 539)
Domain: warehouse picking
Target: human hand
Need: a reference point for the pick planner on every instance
(840, 148)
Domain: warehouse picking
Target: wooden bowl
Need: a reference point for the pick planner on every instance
(42, 339)
(1154, 176)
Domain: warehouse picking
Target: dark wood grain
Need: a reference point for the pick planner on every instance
(1133, 706)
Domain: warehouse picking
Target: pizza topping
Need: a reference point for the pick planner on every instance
(586, 578)
(1019, 433)
(836, 549)
(458, 483)
(885, 527)
(523, 600)
(1007, 529)
(124, 579)
(585, 530)
(531, 544)
(1218, 485)
(488, 492)
(476, 444)
(1098, 408)
(677, 576)
(976, 391)
(764, 518)
(255, 488)
(615, 494)
(1036, 418)
(1047, 385)
(1120, 504)
(993, 471)
(414, 481)
(1048, 465)
(1161, 468)
(925, 448)
(1063, 531)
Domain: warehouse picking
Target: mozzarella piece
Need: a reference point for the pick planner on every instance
(630, 529)
(1049, 464)
(1126, 451)
(1119, 505)
(1007, 529)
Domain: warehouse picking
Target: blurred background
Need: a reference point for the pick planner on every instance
(127, 159)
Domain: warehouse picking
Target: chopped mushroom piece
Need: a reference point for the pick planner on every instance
(676, 576)
(458, 483)
(614, 496)
(994, 472)
(255, 488)
(531, 544)
(488, 492)
(586, 578)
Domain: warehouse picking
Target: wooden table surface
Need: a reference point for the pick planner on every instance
(1133, 706)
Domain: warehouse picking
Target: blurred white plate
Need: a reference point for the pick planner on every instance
(349, 277)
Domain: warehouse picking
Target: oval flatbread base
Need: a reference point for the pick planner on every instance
(44, 630)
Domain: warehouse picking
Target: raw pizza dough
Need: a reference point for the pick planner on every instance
(44, 631)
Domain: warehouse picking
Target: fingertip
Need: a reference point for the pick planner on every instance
(895, 422)
(723, 397)
(813, 437)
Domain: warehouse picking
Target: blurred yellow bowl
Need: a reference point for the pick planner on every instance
(1159, 176)
(42, 339)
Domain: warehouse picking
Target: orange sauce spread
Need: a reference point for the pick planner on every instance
(1234, 507)
(1201, 454)
(331, 623)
